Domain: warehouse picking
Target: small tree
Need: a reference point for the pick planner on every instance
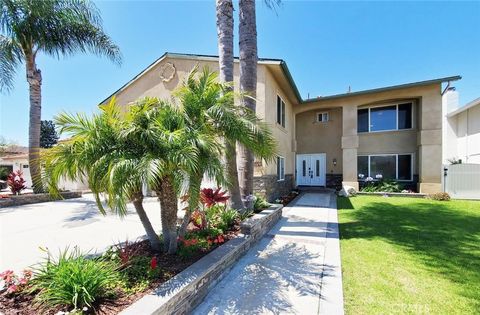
(48, 135)
(16, 182)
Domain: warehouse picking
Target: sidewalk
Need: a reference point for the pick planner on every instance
(294, 269)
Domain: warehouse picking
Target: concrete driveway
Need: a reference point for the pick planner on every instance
(61, 224)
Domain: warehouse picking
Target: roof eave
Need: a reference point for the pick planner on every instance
(383, 89)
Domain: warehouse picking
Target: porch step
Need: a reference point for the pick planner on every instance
(315, 188)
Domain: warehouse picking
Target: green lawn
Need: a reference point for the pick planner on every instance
(410, 256)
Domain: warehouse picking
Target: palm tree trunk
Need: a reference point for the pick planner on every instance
(169, 209)
(147, 225)
(248, 80)
(224, 10)
(34, 78)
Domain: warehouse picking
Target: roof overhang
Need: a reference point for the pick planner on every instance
(383, 89)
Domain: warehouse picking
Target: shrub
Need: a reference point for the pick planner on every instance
(228, 217)
(139, 273)
(382, 186)
(260, 204)
(441, 196)
(16, 182)
(74, 280)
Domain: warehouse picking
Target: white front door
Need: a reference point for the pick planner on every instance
(311, 169)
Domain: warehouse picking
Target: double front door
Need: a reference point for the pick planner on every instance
(311, 169)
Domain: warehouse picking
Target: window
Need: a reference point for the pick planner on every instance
(322, 117)
(25, 165)
(385, 118)
(280, 168)
(388, 166)
(362, 120)
(280, 111)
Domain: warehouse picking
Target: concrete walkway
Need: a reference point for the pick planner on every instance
(294, 269)
(65, 223)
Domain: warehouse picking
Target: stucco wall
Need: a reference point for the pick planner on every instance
(284, 136)
(323, 137)
(17, 164)
(425, 139)
(151, 84)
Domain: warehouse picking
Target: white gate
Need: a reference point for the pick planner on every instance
(462, 181)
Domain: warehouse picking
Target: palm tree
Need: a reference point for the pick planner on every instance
(53, 27)
(99, 151)
(248, 77)
(224, 13)
(211, 114)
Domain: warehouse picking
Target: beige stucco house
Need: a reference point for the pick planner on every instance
(393, 131)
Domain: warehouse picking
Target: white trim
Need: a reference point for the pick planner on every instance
(396, 164)
(281, 176)
(317, 114)
(396, 104)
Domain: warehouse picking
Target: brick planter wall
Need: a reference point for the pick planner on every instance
(270, 188)
(35, 198)
(182, 293)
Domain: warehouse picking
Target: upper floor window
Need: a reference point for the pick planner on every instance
(322, 117)
(384, 118)
(280, 111)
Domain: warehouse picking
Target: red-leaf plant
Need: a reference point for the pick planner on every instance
(126, 252)
(13, 283)
(210, 197)
(16, 182)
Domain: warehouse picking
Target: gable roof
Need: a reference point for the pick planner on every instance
(268, 61)
(467, 106)
(286, 73)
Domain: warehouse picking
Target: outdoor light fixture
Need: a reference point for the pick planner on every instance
(334, 162)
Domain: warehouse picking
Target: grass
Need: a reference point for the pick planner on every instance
(410, 256)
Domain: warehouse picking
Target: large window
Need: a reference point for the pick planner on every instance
(385, 166)
(384, 118)
(280, 111)
(281, 168)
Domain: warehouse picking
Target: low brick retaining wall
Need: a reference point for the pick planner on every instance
(393, 194)
(35, 198)
(182, 293)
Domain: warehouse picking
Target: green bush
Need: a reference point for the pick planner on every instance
(382, 186)
(441, 196)
(260, 204)
(228, 217)
(74, 280)
(138, 274)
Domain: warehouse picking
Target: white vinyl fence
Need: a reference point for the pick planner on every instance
(462, 181)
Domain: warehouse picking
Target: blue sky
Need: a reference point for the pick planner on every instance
(328, 46)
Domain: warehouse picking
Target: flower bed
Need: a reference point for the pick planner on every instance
(134, 271)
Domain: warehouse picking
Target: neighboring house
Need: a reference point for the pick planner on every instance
(15, 158)
(463, 131)
(393, 131)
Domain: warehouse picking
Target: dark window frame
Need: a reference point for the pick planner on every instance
(410, 123)
(280, 111)
(412, 166)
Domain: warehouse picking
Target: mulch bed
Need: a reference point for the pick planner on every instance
(23, 304)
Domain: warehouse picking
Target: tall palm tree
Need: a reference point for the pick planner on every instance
(53, 27)
(247, 30)
(224, 14)
(247, 33)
